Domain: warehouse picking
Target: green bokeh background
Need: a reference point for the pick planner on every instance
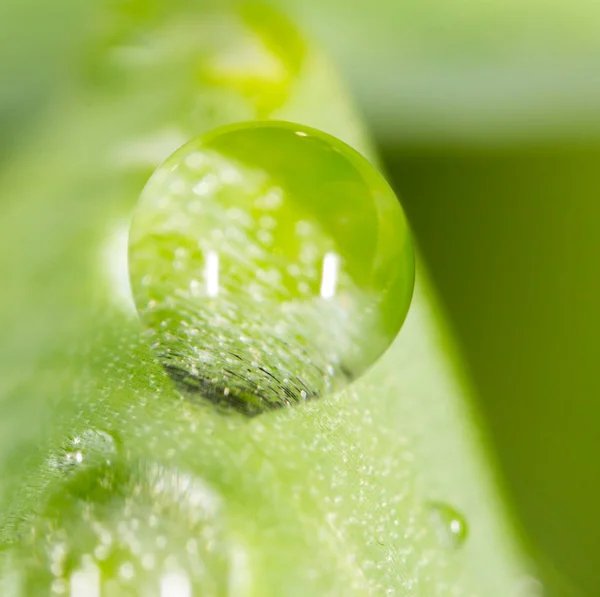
(511, 236)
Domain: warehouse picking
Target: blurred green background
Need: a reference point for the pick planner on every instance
(511, 237)
(487, 115)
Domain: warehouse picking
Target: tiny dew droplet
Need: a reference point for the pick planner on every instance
(450, 525)
(88, 446)
(278, 234)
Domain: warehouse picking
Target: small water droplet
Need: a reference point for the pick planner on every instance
(449, 523)
(294, 242)
(87, 538)
(90, 445)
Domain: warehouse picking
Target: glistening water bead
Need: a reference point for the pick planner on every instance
(450, 524)
(271, 263)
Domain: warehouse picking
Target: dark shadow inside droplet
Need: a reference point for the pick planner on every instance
(249, 398)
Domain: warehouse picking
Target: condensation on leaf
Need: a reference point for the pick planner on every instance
(450, 524)
(130, 528)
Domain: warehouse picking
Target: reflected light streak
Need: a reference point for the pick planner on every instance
(329, 276)
(211, 273)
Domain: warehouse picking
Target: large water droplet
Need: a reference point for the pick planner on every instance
(270, 263)
(450, 525)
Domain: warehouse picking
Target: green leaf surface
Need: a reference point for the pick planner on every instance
(109, 477)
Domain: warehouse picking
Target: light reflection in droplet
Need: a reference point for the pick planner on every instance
(329, 277)
(211, 273)
(450, 524)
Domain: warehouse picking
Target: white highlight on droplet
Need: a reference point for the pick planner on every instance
(211, 273)
(329, 275)
(115, 266)
(86, 581)
(175, 584)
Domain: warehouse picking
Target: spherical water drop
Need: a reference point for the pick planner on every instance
(278, 234)
(450, 524)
